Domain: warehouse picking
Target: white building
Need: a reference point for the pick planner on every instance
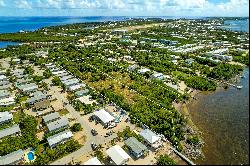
(118, 155)
(93, 161)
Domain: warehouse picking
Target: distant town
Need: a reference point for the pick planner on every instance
(111, 92)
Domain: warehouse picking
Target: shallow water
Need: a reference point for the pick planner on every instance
(223, 118)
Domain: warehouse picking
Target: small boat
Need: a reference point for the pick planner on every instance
(242, 77)
(239, 87)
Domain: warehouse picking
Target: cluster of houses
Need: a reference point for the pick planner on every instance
(6, 99)
(220, 54)
(54, 123)
(136, 149)
(12, 130)
(69, 81)
(154, 75)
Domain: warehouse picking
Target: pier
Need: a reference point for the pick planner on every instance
(183, 157)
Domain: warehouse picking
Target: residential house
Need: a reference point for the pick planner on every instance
(93, 161)
(136, 147)
(5, 117)
(4, 94)
(28, 87)
(105, 117)
(13, 158)
(13, 130)
(143, 70)
(7, 101)
(59, 138)
(37, 96)
(51, 117)
(151, 138)
(82, 93)
(58, 124)
(159, 76)
(76, 87)
(118, 155)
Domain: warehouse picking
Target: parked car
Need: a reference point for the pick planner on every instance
(94, 132)
(93, 146)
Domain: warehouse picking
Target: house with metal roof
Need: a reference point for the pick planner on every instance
(28, 87)
(143, 70)
(5, 86)
(13, 130)
(4, 82)
(93, 161)
(13, 158)
(136, 147)
(7, 101)
(118, 155)
(104, 116)
(70, 81)
(5, 117)
(37, 96)
(4, 94)
(59, 138)
(76, 87)
(64, 78)
(151, 138)
(51, 117)
(82, 93)
(3, 77)
(58, 124)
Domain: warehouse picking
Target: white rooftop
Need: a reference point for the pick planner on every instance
(93, 161)
(150, 136)
(118, 155)
(55, 139)
(104, 116)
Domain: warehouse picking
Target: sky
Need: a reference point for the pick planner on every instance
(228, 8)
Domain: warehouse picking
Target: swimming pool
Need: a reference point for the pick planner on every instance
(31, 156)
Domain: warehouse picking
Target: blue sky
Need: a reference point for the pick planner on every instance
(124, 8)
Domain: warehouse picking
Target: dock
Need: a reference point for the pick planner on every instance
(183, 157)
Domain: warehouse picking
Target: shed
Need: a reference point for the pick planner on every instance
(12, 158)
(93, 161)
(118, 155)
(136, 147)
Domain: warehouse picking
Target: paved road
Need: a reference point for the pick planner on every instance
(89, 137)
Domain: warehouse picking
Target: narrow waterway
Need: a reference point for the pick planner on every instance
(223, 118)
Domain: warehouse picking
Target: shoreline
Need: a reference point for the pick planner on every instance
(183, 108)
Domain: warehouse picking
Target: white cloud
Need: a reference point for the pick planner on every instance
(23, 4)
(143, 7)
(2, 4)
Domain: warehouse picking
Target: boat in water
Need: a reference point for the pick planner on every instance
(239, 87)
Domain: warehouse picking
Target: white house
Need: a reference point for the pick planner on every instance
(104, 116)
(151, 138)
(93, 161)
(118, 155)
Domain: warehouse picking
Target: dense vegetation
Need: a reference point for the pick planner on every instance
(165, 160)
(225, 71)
(28, 126)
